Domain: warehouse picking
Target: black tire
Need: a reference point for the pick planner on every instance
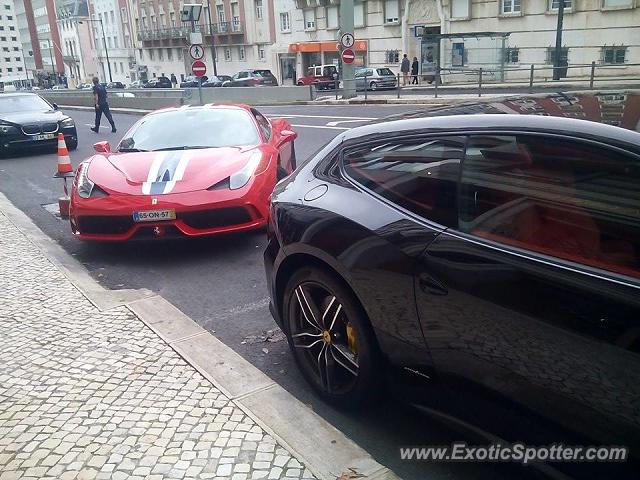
(345, 369)
(72, 145)
(373, 86)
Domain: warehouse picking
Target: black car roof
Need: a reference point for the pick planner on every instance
(548, 113)
(17, 94)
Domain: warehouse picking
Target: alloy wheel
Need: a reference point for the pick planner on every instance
(324, 338)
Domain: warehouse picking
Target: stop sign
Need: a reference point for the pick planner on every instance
(198, 68)
(348, 56)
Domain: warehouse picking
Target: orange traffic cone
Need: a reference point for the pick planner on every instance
(64, 162)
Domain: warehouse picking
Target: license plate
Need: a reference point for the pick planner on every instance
(154, 215)
(45, 136)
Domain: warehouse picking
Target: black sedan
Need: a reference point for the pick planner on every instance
(111, 85)
(159, 82)
(216, 81)
(483, 256)
(192, 81)
(27, 120)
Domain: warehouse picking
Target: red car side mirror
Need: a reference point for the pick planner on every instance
(288, 135)
(102, 147)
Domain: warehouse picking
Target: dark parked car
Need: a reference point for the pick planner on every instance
(216, 81)
(494, 256)
(158, 82)
(27, 120)
(115, 85)
(191, 81)
(252, 78)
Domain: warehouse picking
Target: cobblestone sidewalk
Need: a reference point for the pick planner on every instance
(89, 394)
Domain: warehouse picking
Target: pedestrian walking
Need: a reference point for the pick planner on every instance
(404, 68)
(174, 81)
(415, 66)
(102, 105)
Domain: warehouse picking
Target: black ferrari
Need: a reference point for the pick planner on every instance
(29, 121)
(480, 253)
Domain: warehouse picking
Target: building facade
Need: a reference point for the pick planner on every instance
(77, 41)
(12, 62)
(606, 32)
(111, 25)
(237, 33)
(504, 37)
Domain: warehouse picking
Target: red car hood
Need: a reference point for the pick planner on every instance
(175, 171)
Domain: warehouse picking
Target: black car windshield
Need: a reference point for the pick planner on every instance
(23, 103)
(384, 71)
(199, 127)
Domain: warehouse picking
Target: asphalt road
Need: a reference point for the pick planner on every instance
(220, 283)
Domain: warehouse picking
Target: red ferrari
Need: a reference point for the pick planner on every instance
(192, 170)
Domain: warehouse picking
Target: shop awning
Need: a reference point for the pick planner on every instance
(316, 47)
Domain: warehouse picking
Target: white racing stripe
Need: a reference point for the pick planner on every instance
(153, 173)
(182, 166)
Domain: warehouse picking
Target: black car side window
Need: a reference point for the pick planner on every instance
(420, 175)
(568, 199)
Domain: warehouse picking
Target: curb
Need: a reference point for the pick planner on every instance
(325, 450)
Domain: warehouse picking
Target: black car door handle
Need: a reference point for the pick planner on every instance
(430, 285)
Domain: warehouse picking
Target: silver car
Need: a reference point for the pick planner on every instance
(375, 79)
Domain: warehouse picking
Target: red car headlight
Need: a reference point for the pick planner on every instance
(242, 177)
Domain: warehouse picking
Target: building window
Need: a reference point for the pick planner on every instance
(285, 22)
(179, 54)
(309, 19)
(359, 14)
(259, 9)
(391, 11)
(460, 8)
(122, 67)
(261, 54)
(9, 69)
(19, 69)
(551, 55)
(3, 39)
(227, 54)
(332, 18)
(553, 4)
(16, 49)
(160, 54)
(458, 54)
(241, 53)
(617, 3)
(7, 7)
(169, 54)
(9, 17)
(220, 11)
(510, 6)
(614, 55)
(18, 59)
(5, 49)
(12, 28)
(14, 39)
(511, 55)
(392, 56)
(151, 54)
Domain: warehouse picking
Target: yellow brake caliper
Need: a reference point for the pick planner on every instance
(351, 339)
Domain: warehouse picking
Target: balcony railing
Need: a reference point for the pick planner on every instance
(223, 28)
(220, 28)
(163, 33)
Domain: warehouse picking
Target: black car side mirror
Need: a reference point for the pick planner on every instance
(55, 106)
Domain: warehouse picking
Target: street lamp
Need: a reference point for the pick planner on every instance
(104, 39)
(213, 40)
(26, 70)
(558, 63)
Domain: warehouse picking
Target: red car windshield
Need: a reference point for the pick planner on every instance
(195, 127)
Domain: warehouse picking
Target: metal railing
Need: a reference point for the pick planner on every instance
(481, 81)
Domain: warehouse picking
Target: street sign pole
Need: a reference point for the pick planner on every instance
(193, 29)
(348, 69)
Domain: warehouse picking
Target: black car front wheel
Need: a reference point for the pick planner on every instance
(331, 339)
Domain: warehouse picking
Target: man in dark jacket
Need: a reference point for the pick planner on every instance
(415, 66)
(102, 105)
(404, 68)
